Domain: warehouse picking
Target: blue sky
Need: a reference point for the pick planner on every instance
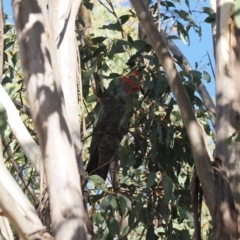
(7, 7)
(195, 52)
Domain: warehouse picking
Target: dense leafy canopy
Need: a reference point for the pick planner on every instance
(153, 193)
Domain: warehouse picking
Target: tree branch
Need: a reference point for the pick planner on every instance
(29, 146)
(205, 96)
(201, 157)
(16, 207)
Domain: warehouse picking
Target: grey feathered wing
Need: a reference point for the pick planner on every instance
(107, 136)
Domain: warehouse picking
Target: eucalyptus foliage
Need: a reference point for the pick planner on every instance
(154, 192)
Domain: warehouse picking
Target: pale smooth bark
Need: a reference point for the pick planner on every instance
(62, 26)
(200, 153)
(5, 229)
(228, 96)
(13, 203)
(24, 138)
(54, 130)
(15, 206)
(85, 14)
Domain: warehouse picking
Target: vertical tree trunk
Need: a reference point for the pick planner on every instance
(228, 96)
(62, 16)
(55, 131)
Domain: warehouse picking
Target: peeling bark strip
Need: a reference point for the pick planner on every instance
(225, 213)
(225, 224)
(200, 154)
(197, 195)
(52, 123)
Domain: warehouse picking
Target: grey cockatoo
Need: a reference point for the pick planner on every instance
(108, 132)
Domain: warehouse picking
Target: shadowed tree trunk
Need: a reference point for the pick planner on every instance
(228, 97)
(58, 136)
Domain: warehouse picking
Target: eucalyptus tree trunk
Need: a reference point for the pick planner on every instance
(62, 16)
(49, 62)
(228, 97)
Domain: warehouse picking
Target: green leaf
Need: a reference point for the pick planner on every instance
(237, 139)
(184, 235)
(113, 227)
(167, 4)
(159, 131)
(98, 40)
(173, 37)
(105, 233)
(206, 76)
(113, 201)
(130, 40)
(6, 79)
(153, 153)
(3, 119)
(182, 32)
(150, 234)
(80, 21)
(91, 98)
(184, 15)
(16, 58)
(124, 232)
(101, 187)
(8, 27)
(118, 47)
(196, 74)
(96, 198)
(124, 159)
(96, 179)
(190, 85)
(124, 203)
(18, 155)
(114, 75)
(112, 26)
(228, 141)
(151, 179)
(153, 137)
(211, 18)
(8, 44)
(99, 50)
(138, 44)
(208, 10)
(168, 187)
(131, 161)
(105, 204)
(88, 5)
(236, 13)
(124, 18)
(98, 115)
(187, 3)
(122, 206)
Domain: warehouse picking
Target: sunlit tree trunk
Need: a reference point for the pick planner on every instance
(228, 96)
(62, 16)
(50, 110)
